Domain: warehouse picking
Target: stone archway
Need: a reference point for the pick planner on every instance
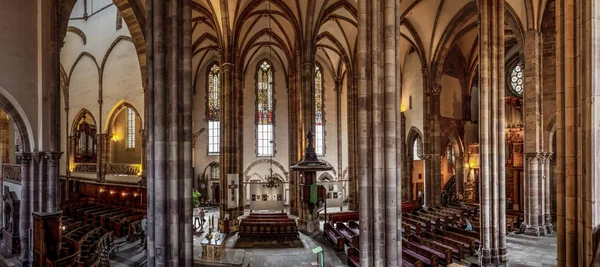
(414, 135)
(25, 134)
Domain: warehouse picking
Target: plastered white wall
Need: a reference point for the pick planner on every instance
(412, 85)
(451, 98)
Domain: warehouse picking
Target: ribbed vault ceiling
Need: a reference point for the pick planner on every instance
(242, 26)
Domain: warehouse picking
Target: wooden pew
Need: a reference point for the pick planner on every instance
(457, 247)
(427, 257)
(353, 257)
(468, 242)
(335, 238)
(410, 261)
(464, 232)
(351, 237)
(343, 216)
(443, 252)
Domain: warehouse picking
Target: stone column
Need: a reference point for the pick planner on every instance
(460, 174)
(168, 125)
(434, 148)
(491, 132)
(229, 156)
(533, 132)
(532, 193)
(377, 119)
(41, 187)
(53, 199)
(547, 199)
(577, 168)
(338, 125)
(25, 212)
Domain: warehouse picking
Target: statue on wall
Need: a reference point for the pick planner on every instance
(10, 232)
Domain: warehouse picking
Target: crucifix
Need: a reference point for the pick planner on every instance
(233, 186)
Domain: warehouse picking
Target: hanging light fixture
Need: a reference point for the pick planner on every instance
(272, 180)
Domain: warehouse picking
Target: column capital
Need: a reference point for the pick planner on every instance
(53, 156)
(425, 71)
(25, 157)
(534, 156)
(436, 89)
(226, 66)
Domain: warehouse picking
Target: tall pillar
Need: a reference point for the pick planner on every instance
(230, 153)
(460, 174)
(491, 133)
(547, 198)
(168, 125)
(380, 244)
(533, 207)
(25, 212)
(53, 199)
(533, 132)
(577, 136)
(434, 148)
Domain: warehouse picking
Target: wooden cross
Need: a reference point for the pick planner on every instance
(233, 186)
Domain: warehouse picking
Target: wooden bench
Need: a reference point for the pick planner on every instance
(468, 242)
(353, 257)
(343, 216)
(334, 237)
(463, 232)
(268, 229)
(457, 247)
(409, 260)
(352, 238)
(429, 261)
(443, 252)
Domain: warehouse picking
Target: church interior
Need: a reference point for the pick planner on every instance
(299, 133)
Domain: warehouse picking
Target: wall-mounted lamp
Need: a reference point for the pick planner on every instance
(402, 108)
(115, 137)
(135, 194)
(102, 190)
(112, 192)
(123, 194)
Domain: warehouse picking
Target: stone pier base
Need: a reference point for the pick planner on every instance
(308, 226)
(534, 231)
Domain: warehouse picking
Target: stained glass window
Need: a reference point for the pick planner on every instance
(130, 128)
(214, 124)
(517, 79)
(264, 109)
(319, 126)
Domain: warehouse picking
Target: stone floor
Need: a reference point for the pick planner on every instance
(522, 250)
(526, 250)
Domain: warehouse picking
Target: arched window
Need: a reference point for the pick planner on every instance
(319, 126)
(214, 172)
(517, 79)
(264, 109)
(416, 149)
(130, 128)
(213, 92)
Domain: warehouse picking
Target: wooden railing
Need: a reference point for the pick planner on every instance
(70, 260)
(124, 169)
(11, 172)
(86, 167)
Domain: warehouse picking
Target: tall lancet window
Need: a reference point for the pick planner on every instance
(264, 109)
(130, 128)
(213, 92)
(319, 126)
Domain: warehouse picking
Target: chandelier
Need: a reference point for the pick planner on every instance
(272, 179)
